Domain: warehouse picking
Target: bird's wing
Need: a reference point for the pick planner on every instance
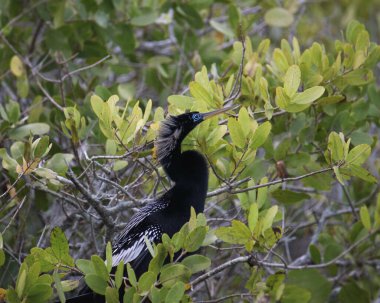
(134, 248)
(131, 245)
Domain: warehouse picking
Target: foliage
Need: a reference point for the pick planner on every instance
(293, 213)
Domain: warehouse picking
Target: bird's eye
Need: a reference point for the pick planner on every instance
(196, 117)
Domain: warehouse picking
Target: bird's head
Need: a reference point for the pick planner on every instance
(175, 128)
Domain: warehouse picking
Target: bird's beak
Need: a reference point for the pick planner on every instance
(218, 112)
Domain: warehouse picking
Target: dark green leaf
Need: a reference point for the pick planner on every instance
(312, 281)
(314, 254)
(352, 293)
(289, 197)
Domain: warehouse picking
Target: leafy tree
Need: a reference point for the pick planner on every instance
(293, 213)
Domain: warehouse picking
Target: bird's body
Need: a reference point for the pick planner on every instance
(188, 170)
(167, 214)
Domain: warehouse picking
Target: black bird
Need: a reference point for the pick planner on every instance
(189, 172)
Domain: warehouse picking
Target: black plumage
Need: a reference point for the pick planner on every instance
(189, 172)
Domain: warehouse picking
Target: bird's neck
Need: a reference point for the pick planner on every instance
(189, 171)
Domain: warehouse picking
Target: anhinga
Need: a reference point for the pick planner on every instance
(189, 172)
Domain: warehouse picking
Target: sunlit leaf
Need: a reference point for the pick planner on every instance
(278, 17)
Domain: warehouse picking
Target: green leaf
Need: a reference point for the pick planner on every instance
(352, 293)
(146, 281)
(59, 163)
(336, 147)
(311, 280)
(200, 93)
(237, 233)
(181, 102)
(97, 105)
(330, 100)
(100, 267)
(131, 275)
(8, 163)
(146, 16)
(280, 60)
(58, 286)
(365, 218)
(60, 246)
(338, 175)
(119, 274)
(85, 266)
(175, 293)
(245, 121)
(377, 212)
(359, 77)
(309, 95)
(12, 296)
(261, 135)
(253, 216)
(315, 255)
(289, 197)
(109, 256)
(96, 283)
(69, 285)
(172, 273)
(223, 28)
(196, 263)
(362, 42)
(13, 111)
(36, 129)
(20, 284)
(358, 171)
(195, 239)
(359, 154)
(292, 80)
(17, 66)
(42, 147)
(295, 294)
(119, 164)
(112, 295)
(40, 292)
(278, 17)
(2, 257)
(353, 29)
(236, 133)
(268, 218)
